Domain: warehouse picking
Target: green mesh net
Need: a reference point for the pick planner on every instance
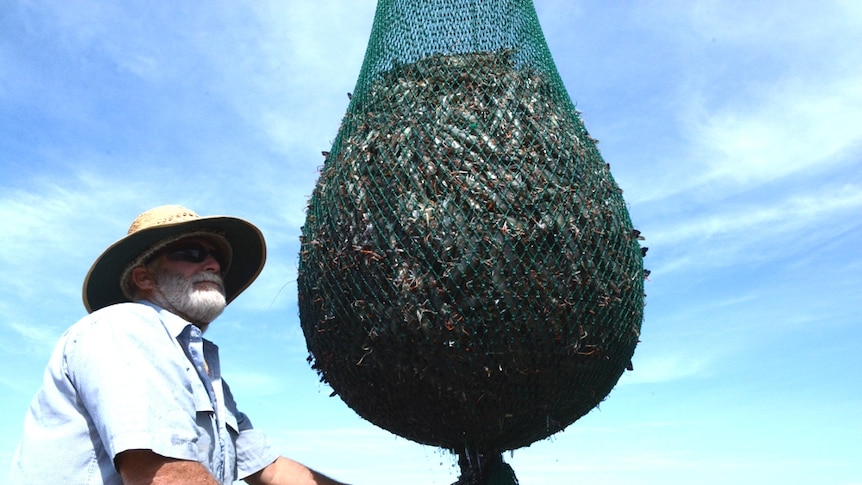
(469, 276)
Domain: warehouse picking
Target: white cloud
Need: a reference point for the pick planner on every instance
(745, 23)
(757, 220)
(802, 125)
(757, 94)
(754, 230)
(28, 338)
(667, 367)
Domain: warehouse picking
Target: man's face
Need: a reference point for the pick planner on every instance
(188, 279)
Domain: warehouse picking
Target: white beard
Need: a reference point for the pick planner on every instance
(177, 293)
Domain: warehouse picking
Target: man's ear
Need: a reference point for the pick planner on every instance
(142, 280)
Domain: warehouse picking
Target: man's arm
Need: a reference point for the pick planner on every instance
(143, 467)
(285, 471)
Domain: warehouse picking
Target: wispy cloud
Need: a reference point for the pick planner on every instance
(29, 338)
(665, 367)
(756, 230)
(753, 100)
(805, 125)
(44, 223)
(800, 125)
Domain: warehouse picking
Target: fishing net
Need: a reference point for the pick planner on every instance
(469, 276)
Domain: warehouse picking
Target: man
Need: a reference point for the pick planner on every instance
(132, 393)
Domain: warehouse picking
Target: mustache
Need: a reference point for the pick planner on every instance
(209, 278)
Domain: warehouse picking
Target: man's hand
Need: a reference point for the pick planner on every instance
(285, 471)
(143, 467)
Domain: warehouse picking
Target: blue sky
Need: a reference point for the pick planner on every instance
(733, 127)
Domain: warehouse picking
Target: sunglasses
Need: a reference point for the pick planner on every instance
(192, 253)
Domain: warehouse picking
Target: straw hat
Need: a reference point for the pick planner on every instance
(243, 243)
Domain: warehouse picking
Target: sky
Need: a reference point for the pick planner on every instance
(732, 127)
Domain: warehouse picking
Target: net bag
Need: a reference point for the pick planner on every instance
(469, 276)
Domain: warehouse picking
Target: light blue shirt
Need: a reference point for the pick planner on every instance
(134, 376)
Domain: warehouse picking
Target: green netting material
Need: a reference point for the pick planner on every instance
(469, 276)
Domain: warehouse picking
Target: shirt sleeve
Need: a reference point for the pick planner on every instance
(134, 381)
(253, 451)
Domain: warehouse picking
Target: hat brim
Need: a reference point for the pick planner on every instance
(102, 285)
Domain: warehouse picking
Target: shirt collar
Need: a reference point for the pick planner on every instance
(172, 322)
